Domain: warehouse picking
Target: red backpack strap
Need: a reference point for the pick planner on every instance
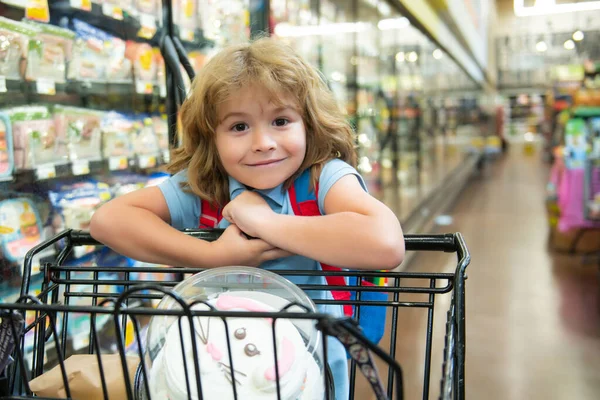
(304, 202)
(210, 215)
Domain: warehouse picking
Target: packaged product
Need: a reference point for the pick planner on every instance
(161, 129)
(20, 228)
(576, 134)
(14, 42)
(6, 147)
(184, 16)
(143, 137)
(146, 6)
(98, 56)
(116, 133)
(144, 63)
(49, 52)
(35, 138)
(75, 204)
(81, 128)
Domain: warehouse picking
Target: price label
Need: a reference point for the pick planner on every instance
(112, 11)
(163, 90)
(142, 87)
(85, 5)
(45, 86)
(3, 84)
(47, 171)
(145, 161)
(118, 163)
(148, 26)
(187, 34)
(166, 156)
(80, 167)
(37, 10)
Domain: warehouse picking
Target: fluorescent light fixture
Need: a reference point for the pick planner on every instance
(286, 30)
(578, 36)
(413, 57)
(384, 8)
(393, 23)
(569, 44)
(400, 57)
(541, 46)
(437, 54)
(337, 76)
(546, 7)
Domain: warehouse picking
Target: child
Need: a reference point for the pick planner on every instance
(257, 118)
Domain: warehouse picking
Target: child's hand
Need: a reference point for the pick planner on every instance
(249, 212)
(237, 249)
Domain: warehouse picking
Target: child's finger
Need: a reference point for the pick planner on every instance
(275, 254)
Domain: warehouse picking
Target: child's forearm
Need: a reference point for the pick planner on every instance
(335, 240)
(141, 235)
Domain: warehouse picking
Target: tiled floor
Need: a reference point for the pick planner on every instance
(533, 317)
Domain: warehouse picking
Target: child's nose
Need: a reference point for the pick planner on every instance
(262, 141)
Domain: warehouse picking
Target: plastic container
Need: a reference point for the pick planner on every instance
(299, 343)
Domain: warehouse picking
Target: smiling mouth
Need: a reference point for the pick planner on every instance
(265, 163)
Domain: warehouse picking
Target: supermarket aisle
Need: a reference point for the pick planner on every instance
(533, 319)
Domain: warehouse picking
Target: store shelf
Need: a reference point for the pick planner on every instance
(73, 92)
(112, 19)
(85, 168)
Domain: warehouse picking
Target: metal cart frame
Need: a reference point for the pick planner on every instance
(52, 313)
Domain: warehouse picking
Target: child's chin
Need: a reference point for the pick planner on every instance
(262, 182)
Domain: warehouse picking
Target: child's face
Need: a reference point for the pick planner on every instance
(260, 144)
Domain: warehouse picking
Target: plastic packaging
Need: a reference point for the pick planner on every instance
(48, 53)
(146, 6)
(98, 56)
(185, 12)
(144, 63)
(161, 129)
(116, 132)
(576, 134)
(21, 228)
(6, 147)
(76, 203)
(299, 343)
(81, 127)
(35, 139)
(143, 138)
(14, 43)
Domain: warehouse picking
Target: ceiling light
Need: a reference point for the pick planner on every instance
(283, 29)
(437, 54)
(578, 35)
(541, 46)
(569, 44)
(393, 23)
(400, 57)
(413, 56)
(546, 7)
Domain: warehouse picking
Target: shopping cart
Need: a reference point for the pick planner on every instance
(45, 340)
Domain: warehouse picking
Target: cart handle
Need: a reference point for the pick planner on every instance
(445, 242)
(449, 242)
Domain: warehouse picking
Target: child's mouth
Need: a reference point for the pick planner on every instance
(266, 163)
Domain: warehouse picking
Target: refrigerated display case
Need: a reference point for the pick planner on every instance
(83, 108)
(401, 93)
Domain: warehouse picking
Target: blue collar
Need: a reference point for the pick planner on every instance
(277, 194)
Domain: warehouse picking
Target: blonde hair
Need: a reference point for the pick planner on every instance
(275, 67)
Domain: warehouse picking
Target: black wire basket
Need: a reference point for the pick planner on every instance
(38, 328)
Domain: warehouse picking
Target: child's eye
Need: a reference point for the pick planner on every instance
(281, 122)
(239, 127)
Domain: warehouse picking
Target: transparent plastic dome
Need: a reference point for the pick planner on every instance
(238, 351)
